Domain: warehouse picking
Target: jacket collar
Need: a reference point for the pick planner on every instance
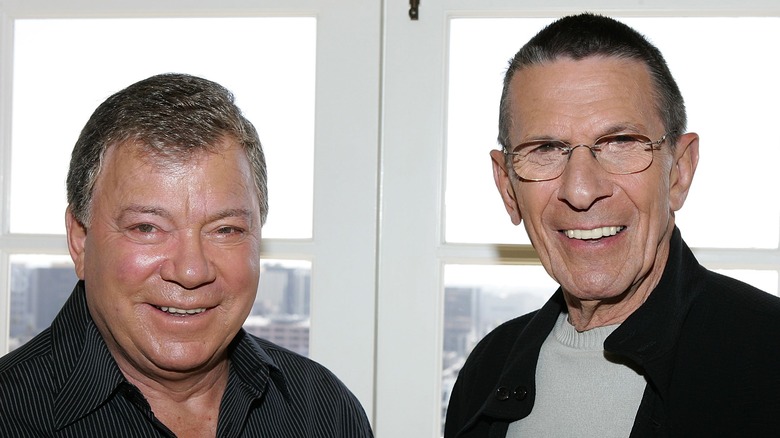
(649, 336)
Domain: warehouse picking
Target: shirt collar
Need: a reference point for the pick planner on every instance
(253, 366)
(87, 368)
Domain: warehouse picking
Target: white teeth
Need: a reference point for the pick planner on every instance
(176, 311)
(595, 233)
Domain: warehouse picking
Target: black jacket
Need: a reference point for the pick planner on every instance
(708, 345)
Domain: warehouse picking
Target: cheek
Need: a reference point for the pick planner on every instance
(652, 203)
(659, 203)
(236, 264)
(141, 264)
(127, 263)
(242, 266)
(534, 203)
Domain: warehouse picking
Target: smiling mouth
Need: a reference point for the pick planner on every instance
(596, 233)
(181, 312)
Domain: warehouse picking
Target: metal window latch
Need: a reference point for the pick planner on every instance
(414, 9)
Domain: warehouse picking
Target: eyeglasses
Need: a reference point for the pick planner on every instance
(618, 154)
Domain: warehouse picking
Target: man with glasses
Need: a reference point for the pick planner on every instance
(639, 340)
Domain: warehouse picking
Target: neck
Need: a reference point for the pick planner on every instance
(177, 402)
(181, 387)
(586, 314)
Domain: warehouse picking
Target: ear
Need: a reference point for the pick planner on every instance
(686, 158)
(503, 181)
(77, 239)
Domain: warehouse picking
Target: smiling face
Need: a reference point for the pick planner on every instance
(171, 258)
(601, 236)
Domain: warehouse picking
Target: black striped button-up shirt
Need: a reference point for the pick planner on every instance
(65, 383)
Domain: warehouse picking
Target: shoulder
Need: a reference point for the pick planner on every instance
(306, 376)
(509, 348)
(26, 387)
(726, 356)
(734, 325)
(497, 345)
(490, 357)
(31, 359)
(298, 368)
(315, 396)
(520, 336)
(739, 303)
(731, 321)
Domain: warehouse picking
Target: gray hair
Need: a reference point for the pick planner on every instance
(586, 35)
(171, 116)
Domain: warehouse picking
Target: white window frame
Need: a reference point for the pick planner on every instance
(412, 249)
(377, 249)
(343, 269)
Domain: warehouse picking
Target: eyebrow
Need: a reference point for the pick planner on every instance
(624, 127)
(232, 212)
(157, 211)
(609, 130)
(144, 209)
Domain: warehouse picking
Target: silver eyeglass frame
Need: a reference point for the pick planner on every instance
(568, 149)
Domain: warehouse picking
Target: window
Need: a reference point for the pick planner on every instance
(280, 99)
(286, 66)
(479, 50)
(402, 241)
(274, 86)
(460, 241)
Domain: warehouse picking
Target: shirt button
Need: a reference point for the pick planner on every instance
(521, 392)
(502, 393)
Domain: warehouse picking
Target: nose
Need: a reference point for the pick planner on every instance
(188, 264)
(583, 181)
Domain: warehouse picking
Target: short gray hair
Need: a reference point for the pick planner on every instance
(171, 116)
(585, 35)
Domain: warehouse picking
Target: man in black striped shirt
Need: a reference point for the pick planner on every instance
(167, 196)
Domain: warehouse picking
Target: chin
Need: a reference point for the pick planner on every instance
(605, 295)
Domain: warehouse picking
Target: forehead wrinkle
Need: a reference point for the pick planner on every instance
(609, 130)
(554, 104)
(630, 128)
(232, 212)
(144, 209)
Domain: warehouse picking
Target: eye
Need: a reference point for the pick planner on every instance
(547, 147)
(538, 148)
(229, 230)
(228, 234)
(145, 233)
(145, 228)
(619, 140)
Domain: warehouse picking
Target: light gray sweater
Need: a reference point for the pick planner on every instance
(580, 392)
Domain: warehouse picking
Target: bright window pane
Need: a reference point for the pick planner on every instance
(40, 284)
(281, 311)
(479, 53)
(727, 78)
(64, 68)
